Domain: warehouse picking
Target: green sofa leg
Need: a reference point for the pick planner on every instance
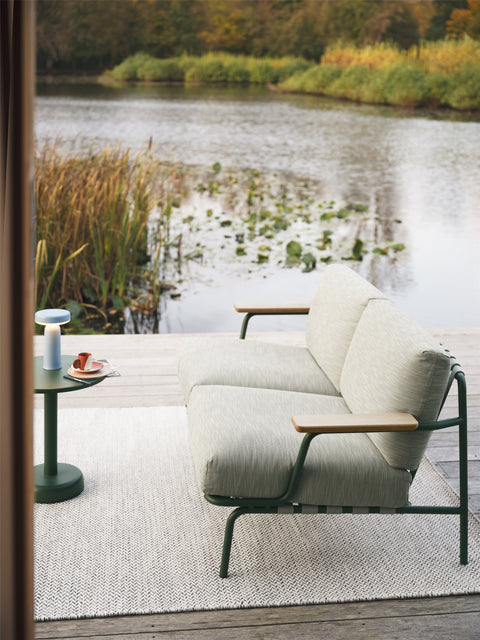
(227, 540)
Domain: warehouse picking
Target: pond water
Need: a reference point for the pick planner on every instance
(419, 174)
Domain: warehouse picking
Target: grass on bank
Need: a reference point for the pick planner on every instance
(444, 73)
(210, 68)
(436, 74)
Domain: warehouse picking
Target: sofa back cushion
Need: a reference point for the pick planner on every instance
(336, 308)
(395, 365)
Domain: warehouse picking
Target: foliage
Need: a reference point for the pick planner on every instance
(93, 211)
(445, 73)
(210, 68)
(88, 37)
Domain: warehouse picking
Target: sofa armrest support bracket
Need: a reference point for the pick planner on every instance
(252, 310)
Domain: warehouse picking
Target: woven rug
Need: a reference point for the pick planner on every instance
(142, 539)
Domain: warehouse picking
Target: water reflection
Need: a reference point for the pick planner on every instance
(414, 167)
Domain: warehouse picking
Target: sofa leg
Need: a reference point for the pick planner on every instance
(464, 536)
(227, 540)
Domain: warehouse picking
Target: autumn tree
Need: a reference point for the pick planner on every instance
(437, 28)
(465, 21)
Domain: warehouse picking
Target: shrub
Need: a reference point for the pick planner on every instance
(464, 90)
(405, 85)
(128, 69)
(207, 69)
(261, 72)
(286, 67)
(438, 86)
(350, 84)
(237, 72)
(156, 70)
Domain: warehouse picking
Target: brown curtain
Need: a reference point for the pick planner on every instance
(16, 317)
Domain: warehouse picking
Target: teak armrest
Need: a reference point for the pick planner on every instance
(355, 422)
(272, 308)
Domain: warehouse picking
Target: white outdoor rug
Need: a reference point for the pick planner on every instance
(142, 539)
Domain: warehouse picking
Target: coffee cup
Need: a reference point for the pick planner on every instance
(85, 360)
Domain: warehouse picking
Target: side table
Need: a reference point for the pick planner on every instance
(55, 481)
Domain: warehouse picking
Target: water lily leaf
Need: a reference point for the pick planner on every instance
(310, 262)
(381, 252)
(398, 247)
(328, 215)
(294, 249)
(280, 224)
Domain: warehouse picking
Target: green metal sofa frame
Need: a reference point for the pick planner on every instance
(313, 426)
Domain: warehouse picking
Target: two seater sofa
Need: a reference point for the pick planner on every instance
(370, 380)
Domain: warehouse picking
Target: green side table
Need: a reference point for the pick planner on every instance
(55, 481)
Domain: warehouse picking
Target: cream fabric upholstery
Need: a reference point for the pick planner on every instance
(249, 363)
(244, 445)
(395, 365)
(338, 304)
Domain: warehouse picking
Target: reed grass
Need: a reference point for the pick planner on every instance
(92, 216)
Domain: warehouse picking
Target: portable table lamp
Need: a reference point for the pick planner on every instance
(52, 319)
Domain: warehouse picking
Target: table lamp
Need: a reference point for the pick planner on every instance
(52, 319)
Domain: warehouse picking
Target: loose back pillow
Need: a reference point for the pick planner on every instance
(395, 365)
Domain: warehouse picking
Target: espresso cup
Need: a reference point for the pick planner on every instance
(86, 360)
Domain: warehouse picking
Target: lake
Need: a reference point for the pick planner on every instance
(418, 173)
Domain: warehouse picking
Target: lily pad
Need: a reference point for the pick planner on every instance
(310, 262)
(294, 249)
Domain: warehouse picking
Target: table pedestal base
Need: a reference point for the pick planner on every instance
(66, 484)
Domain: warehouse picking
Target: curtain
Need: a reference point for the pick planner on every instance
(16, 317)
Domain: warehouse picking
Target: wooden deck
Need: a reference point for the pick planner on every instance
(148, 378)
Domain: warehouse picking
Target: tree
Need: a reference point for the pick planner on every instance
(437, 29)
(402, 29)
(225, 26)
(465, 21)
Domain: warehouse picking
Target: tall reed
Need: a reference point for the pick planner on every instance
(92, 220)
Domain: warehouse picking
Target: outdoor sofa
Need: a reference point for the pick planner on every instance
(370, 382)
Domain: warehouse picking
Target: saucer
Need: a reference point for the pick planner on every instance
(96, 366)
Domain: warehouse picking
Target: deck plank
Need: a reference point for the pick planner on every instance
(148, 378)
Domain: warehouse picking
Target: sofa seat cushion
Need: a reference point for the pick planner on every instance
(244, 445)
(249, 363)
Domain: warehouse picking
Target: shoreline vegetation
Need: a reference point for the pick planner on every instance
(118, 234)
(438, 74)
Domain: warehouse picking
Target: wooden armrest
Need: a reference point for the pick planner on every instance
(272, 308)
(355, 423)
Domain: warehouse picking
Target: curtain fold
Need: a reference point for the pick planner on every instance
(16, 317)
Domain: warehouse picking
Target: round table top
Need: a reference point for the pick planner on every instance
(45, 381)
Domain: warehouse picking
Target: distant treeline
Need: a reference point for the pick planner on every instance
(89, 36)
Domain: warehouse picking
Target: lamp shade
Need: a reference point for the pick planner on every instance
(52, 319)
(52, 316)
